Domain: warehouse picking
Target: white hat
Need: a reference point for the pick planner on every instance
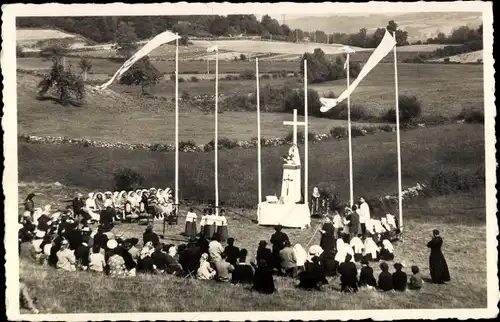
(64, 242)
(20, 226)
(86, 228)
(112, 244)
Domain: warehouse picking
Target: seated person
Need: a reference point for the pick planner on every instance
(385, 278)
(387, 251)
(232, 251)
(366, 278)
(416, 281)
(263, 281)
(243, 272)
(205, 271)
(314, 276)
(348, 275)
(399, 278)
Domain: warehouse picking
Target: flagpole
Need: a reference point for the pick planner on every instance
(259, 164)
(396, 90)
(216, 141)
(306, 138)
(351, 184)
(177, 121)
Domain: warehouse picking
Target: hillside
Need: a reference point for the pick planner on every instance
(419, 25)
(471, 57)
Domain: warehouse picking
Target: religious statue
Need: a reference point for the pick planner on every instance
(316, 204)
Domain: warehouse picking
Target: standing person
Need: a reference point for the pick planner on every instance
(278, 240)
(364, 214)
(338, 224)
(78, 205)
(437, 263)
(327, 235)
(29, 204)
(354, 226)
(316, 203)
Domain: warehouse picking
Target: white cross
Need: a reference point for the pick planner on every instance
(294, 123)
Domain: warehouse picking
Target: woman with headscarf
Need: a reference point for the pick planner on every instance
(116, 263)
(358, 246)
(316, 203)
(145, 262)
(265, 254)
(205, 272)
(348, 275)
(116, 195)
(341, 252)
(327, 235)
(371, 250)
(90, 207)
(99, 202)
(437, 263)
(173, 265)
(386, 251)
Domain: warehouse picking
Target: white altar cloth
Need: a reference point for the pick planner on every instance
(287, 215)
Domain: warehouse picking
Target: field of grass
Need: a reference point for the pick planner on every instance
(443, 90)
(33, 35)
(464, 236)
(424, 152)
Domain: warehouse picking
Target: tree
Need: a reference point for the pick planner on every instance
(219, 26)
(52, 51)
(126, 40)
(127, 179)
(271, 25)
(85, 65)
(70, 87)
(141, 73)
(392, 26)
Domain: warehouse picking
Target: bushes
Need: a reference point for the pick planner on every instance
(340, 112)
(409, 110)
(339, 132)
(295, 100)
(471, 115)
(127, 179)
(247, 74)
(223, 143)
(300, 137)
(448, 182)
(266, 76)
(187, 146)
(194, 79)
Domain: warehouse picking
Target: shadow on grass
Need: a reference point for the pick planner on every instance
(59, 101)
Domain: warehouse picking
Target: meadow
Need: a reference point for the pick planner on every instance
(457, 147)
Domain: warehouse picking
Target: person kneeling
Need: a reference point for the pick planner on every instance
(263, 281)
(243, 272)
(314, 276)
(348, 275)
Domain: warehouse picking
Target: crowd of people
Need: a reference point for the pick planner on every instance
(67, 242)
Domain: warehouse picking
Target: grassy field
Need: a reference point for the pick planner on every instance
(443, 90)
(464, 236)
(453, 147)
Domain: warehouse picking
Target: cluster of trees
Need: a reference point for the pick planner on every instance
(462, 35)
(105, 29)
(321, 69)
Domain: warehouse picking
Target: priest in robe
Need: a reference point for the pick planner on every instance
(327, 235)
(316, 209)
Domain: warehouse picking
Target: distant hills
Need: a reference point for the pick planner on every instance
(420, 26)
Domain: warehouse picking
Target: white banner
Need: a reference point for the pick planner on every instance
(385, 46)
(157, 41)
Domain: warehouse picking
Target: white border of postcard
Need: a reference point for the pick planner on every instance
(9, 124)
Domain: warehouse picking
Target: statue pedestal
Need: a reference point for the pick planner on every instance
(290, 186)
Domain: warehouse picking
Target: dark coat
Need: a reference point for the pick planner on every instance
(100, 239)
(145, 265)
(437, 263)
(385, 281)
(327, 239)
(263, 281)
(78, 204)
(264, 253)
(232, 253)
(348, 276)
(150, 236)
(366, 277)
(278, 240)
(329, 263)
(160, 260)
(189, 259)
(399, 281)
(242, 274)
(82, 254)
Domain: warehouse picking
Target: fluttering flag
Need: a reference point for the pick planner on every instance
(212, 49)
(385, 46)
(157, 41)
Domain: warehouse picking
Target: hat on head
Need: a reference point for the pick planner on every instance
(85, 228)
(112, 244)
(64, 242)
